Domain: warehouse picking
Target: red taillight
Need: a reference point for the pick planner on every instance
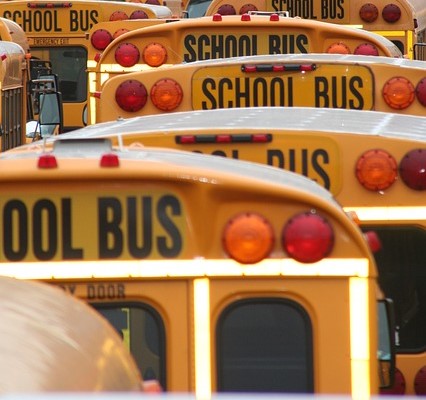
(227, 9)
(166, 94)
(47, 161)
(398, 386)
(246, 8)
(368, 12)
(391, 13)
(421, 92)
(131, 96)
(398, 93)
(127, 55)
(308, 238)
(366, 49)
(139, 14)
(109, 160)
(101, 39)
(420, 381)
(373, 241)
(412, 169)
(376, 170)
(118, 16)
(248, 238)
(154, 2)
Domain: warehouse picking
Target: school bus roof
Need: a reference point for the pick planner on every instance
(289, 119)
(164, 160)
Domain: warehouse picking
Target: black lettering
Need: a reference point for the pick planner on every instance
(68, 251)
(224, 84)
(190, 55)
(332, 9)
(275, 158)
(109, 231)
(206, 87)
(144, 218)
(317, 166)
(321, 92)
(171, 246)
(17, 209)
(45, 211)
(355, 83)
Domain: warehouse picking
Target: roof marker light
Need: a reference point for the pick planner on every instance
(109, 160)
(245, 17)
(224, 138)
(248, 238)
(376, 170)
(274, 17)
(47, 161)
(217, 17)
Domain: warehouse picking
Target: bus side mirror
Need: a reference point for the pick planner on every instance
(387, 348)
(51, 114)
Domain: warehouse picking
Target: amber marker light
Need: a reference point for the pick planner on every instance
(166, 94)
(154, 54)
(376, 170)
(248, 238)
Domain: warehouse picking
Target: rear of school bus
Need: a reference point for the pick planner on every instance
(374, 163)
(289, 80)
(220, 275)
(56, 32)
(399, 21)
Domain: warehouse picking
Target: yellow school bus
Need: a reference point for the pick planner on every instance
(401, 21)
(53, 340)
(221, 275)
(293, 80)
(13, 100)
(214, 37)
(56, 32)
(374, 163)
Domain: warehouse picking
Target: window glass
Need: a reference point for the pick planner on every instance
(264, 345)
(69, 64)
(142, 331)
(402, 276)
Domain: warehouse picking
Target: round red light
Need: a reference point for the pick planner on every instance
(227, 9)
(127, 55)
(391, 13)
(246, 8)
(420, 381)
(100, 39)
(139, 14)
(308, 238)
(398, 386)
(412, 169)
(366, 49)
(131, 96)
(421, 92)
(118, 16)
(368, 12)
